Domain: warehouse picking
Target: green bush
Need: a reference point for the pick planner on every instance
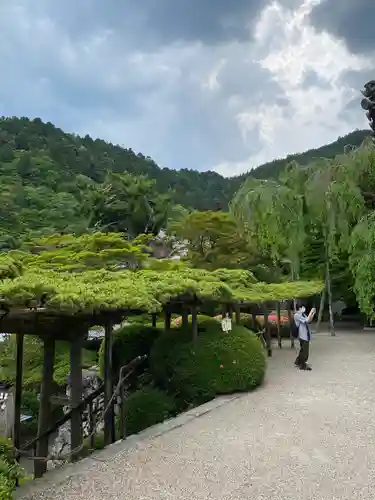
(219, 363)
(143, 319)
(98, 444)
(30, 403)
(10, 471)
(204, 323)
(146, 407)
(129, 342)
(6, 449)
(248, 322)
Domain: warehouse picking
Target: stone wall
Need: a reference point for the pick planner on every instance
(61, 446)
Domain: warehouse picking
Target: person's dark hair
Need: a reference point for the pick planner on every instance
(299, 304)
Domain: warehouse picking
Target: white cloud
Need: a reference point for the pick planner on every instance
(312, 117)
(227, 106)
(211, 82)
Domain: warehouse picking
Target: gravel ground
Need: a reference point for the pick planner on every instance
(303, 435)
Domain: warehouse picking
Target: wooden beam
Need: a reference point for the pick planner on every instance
(76, 385)
(109, 420)
(44, 421)
(18, 394)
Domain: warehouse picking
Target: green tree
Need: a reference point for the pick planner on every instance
(213, 240)
(362, 263)
(335, 204)
(272, 214)
(132, 205)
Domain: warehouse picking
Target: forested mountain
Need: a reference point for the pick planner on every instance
(54, 181)
(275, 167)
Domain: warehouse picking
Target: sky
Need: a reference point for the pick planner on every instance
(221, 85)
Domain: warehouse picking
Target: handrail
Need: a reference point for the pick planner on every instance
(67, 416)
(81, 406)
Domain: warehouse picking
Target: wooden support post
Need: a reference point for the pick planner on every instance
(44, 421)
(194, 323)
(278, 321)
(109, 418)
(167, 320)
(267, 333)
(238, 314)
(185, 318)
(230, 311)
(291, 319)
(76, 387)
(18, 394)
(223, 311)
(254, 318)
(153, 318)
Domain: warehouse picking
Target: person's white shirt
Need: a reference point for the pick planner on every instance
(301, 321)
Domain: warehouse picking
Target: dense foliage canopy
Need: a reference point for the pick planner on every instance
(57, 182)
(145, 290)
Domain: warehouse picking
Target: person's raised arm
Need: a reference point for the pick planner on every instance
(311, 315)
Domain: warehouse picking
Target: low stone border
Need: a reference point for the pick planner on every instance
(58, 476)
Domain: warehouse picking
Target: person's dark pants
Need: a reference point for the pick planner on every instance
(303, 355)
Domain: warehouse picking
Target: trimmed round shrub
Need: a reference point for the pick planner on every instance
(146, 407)
(129, 342)
(219, 363)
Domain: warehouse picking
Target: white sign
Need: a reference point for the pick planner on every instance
(226, 324)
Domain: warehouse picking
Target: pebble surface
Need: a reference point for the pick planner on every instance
(302, 436)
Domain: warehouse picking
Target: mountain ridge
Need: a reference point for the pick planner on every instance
(72, 155)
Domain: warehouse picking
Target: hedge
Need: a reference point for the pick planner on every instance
(146, 407)
(129, 342)
(219, 363)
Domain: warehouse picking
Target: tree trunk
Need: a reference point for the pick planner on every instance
(291, 319)
(321, 307)
(329, 292)
(293, 276)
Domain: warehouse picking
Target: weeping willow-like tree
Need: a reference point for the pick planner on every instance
(362, 263)
(335, 203)
(362, 240)
(271, 214)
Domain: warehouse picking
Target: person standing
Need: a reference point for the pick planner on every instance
(304, 335)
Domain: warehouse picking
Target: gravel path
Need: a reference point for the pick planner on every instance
(304, 435)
